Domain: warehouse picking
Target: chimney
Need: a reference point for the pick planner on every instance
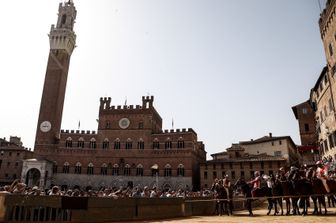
(270, 135)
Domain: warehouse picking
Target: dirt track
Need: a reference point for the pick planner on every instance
(259, 217)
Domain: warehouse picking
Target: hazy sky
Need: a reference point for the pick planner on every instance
(231, 70)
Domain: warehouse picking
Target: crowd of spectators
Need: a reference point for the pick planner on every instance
(20, 188)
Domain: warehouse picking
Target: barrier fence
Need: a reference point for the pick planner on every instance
(23, 208)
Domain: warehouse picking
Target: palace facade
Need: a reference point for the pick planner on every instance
(129, 148)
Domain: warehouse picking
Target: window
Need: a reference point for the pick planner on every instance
(55, 168)
(241, 165)
(251, 174)
(331, 107)
(167, 171)
(127, 170)
(108, 125)
(90, 169)
(103, 169)
(277, 153)
(63, 19)
(68, 142)
(155, 172)
(230, 164)
(180, 170)
(222, 165)
(180, 143)
(214, 166)
(251, 165)
(66, 167)
(80, 143)
(280, 142)
(223, 174)
(270, 164)
(272, 143)
(139, 170)
(326, 148)
(115, 170)
(233, 174)
(306, 127)
(16, 164)
(279, 164)
(214, 174)
(78, 168)
(0, 163)
(17, 154)
(168, 144)
(262, 164)
(129, 144)
(304, 111)
(205, 175)
(156, 144)
(331, 52)
(8, 164)
(117, 144)
(325, 111)
(106, 143)
(93, 143)
(10, 153)
(141, 144)
(242, 174)
(141, 125)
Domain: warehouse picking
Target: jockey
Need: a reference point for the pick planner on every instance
(282, 174)
(256, 183)
(322, 174)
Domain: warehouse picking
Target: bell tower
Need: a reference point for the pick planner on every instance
(62, 41)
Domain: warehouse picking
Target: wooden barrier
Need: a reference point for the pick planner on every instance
(23, 208)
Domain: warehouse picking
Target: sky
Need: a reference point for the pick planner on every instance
(231, 70)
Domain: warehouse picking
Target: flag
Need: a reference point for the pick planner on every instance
(172, 123)
(126, 101)
(78, 124)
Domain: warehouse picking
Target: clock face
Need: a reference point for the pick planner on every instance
(45, 126)
(124, 123)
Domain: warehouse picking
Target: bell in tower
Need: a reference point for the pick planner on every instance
(62, 41)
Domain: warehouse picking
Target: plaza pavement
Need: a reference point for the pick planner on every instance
(259, 217)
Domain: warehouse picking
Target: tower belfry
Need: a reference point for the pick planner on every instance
(62, 41)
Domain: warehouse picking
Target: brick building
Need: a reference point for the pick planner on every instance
(323, 93)
(308, 150)
(129, 147)
(266, 154)
(12, 154)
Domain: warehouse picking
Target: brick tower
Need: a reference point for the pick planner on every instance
(62, 42)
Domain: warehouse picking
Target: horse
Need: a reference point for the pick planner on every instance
(277, 191)
(246, 189)
(317, 188)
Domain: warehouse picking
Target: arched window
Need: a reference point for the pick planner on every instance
(168, 144)
(68, 142)
(180, 170)
(180, 143)
(103, 169)
(117, 143)
(156, 144)
(115, 170)
(90, 169)
(78, 168)
(129, 143)
(139, 170)
(93, 143)
(63, 19)
(141, 144)
(167, 171)
(127, 170)
(155, 170)
(66, 167)
(106, 143)
(80, 143)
